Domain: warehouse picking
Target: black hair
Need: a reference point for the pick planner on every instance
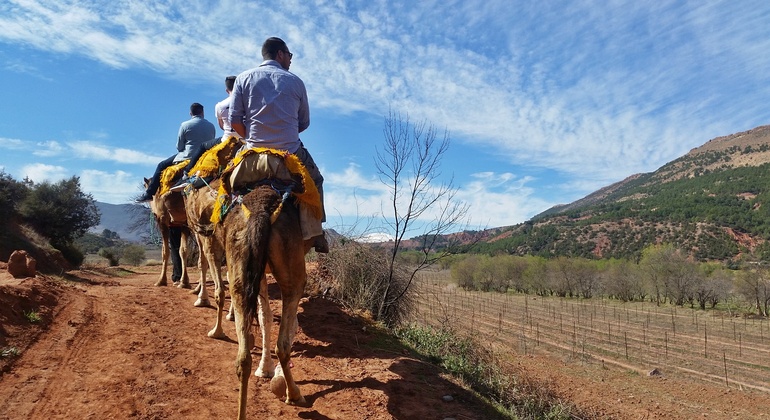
(229, 83)
(271, 47)
(196, 109)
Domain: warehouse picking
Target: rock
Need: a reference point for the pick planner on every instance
(278, 383)
(21, 264)
(447, 398)
(655, 372)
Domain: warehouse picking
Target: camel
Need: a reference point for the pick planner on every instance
(169, 210)
(257, 232)
(251, 243)
(199, 204)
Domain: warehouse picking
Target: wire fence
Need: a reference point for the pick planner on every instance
(709, 345)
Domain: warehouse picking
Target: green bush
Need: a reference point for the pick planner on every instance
(112, 254)
(72, 254)
(133, 254)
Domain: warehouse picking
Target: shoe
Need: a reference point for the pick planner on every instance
(198, 182)
(144, 198)
(321, 245)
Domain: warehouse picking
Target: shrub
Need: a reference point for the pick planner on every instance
(72, 254)
(133, 254)
(359, 278)
(112, 254)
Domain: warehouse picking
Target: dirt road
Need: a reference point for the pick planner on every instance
(115, 347)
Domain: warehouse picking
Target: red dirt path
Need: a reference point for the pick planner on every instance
(117, 347)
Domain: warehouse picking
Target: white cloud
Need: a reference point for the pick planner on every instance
(96, 151)
(494, 199)
(40, 172)
(48, 149)
(109, 187)
(12, 144)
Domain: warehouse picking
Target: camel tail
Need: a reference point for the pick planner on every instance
(259, 205)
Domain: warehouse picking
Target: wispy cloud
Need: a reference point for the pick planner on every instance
(97, 151)
(40, 172)
(499, 198)
(11, 144)
(595, 93)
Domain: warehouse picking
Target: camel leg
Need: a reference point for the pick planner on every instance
(291, 278)
(266, 368)
(230, 315)
(245, 341)
(184, 282)
(203, 264)
(213, 255)
(164, 255)
(204, 245)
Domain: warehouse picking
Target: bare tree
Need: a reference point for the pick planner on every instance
(408, 164)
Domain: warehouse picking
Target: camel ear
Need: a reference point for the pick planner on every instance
(146, 180)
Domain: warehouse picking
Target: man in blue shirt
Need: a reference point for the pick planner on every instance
(269, 109)
(192, 133)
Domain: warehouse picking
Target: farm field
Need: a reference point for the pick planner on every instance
(599, 336)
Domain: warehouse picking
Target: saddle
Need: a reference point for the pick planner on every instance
(283, 171)
(209, 167)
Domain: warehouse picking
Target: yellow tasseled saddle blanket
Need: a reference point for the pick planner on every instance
(216, 159)
(169, 175)
(251, 167)
(210, 165)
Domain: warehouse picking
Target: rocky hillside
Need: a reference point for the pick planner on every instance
(713, 202)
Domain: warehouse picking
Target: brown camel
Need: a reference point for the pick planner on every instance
(251, 243)
(199, 204)
(257, 231)
(169, 210)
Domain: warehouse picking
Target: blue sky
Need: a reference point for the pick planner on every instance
(545, 102)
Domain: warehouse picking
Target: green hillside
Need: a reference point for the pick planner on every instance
(714, 203)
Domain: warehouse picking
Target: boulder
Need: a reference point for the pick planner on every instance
(21, 264)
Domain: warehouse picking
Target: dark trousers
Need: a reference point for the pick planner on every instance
(315, 173)
(155, 182)
(174, 242)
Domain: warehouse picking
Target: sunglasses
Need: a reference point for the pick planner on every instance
(290, 54)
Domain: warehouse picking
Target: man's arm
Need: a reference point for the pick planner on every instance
(180, 140)
(303, 114)
(239, 128)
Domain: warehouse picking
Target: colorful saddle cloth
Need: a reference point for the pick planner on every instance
(259, 166)
(169, 175)
(215, 160)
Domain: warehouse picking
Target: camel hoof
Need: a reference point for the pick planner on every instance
(201, 303)
(298, 402)
(230, 317)
(161, 283)
(218, 334)
(184, 286)
(278, 387)
(259, 373)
